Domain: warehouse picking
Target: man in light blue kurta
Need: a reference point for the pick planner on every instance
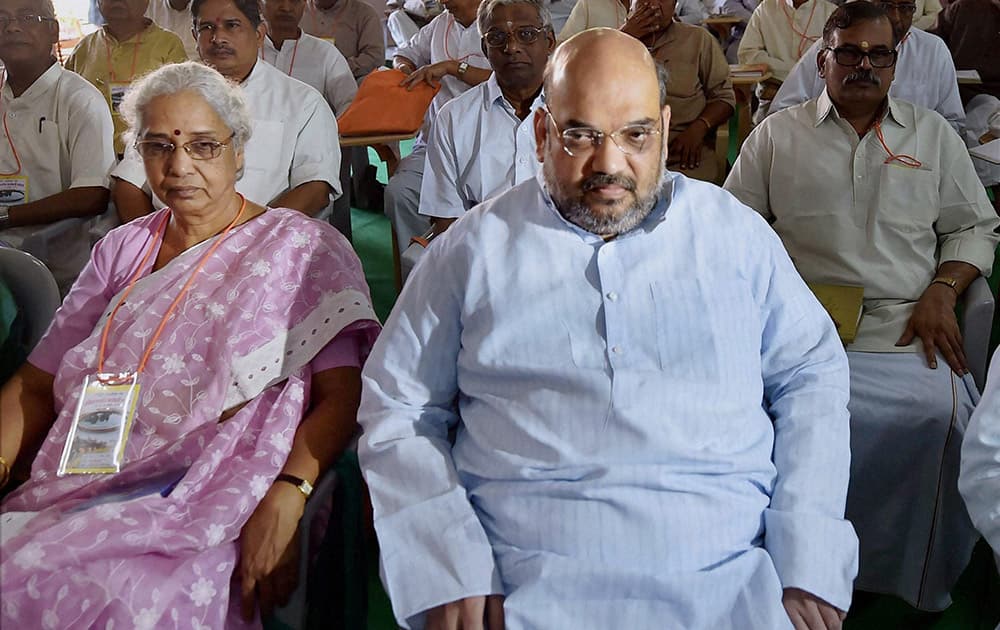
(650, 425)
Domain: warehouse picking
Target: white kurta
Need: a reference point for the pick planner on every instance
(180, 23)
(294, 139)
(318, 63)
(62, 132)
(650, 432)
(980, 478)
(478, 149)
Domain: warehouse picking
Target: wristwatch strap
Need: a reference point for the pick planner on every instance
(302, 485)
(462, 67)
(951, 282)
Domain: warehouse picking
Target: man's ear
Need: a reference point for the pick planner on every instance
(821, 63)
(541, 133)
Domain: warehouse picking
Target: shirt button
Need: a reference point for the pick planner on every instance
(612, 296)
(616, 349)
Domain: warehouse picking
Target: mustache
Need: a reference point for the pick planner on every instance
(863, 76)
(216, 49)
(606, 179)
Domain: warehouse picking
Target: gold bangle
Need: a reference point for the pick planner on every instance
(708, 125)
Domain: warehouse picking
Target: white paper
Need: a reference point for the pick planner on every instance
(968, 76)
(989, 151)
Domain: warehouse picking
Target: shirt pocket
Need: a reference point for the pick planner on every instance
(908, 202)
(265, 173)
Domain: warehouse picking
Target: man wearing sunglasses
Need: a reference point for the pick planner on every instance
(482, 142)
(869, 191)
(924, 71)
(57, 144)
(649, 408)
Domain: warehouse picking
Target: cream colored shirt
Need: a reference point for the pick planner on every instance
(846, 217)
(778, 33)
(926, 14)
(180, 23)
(612, 14)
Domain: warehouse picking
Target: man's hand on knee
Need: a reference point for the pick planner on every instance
(934, 321)
(809, 612)
(471, 613)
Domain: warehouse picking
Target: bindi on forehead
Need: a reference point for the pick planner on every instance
(177, 132)
(865, 45)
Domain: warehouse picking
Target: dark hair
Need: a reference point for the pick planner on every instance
(849, 14)
(249, 8)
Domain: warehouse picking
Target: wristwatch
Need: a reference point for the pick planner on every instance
(462, 67)
(4, 217)
(301, 484)
(951, 282)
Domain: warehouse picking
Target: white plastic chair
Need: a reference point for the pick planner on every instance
(977, 324)
(33, 287)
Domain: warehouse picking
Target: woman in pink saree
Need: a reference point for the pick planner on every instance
(250, 388)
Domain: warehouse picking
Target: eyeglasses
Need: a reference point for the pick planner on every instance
(581, 141)
(496, 38)
(197, 149)
(851, 56)
(232, 26)
(905, 9)
(24, 20)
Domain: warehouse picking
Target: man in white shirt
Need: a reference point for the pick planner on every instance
(778, 33)
(482, 142)
(647, 407)
(57, 146)
(293, 156)
(869, 191)
(175, 16)
(318, 63)
(924, 73)
(447, 51)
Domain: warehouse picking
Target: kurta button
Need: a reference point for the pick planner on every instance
(616, 349)
(612, 296)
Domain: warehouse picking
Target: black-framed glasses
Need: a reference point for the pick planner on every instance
(24, 20)
(197, 149)
(581, 141)
(497, 38)
(852, 56)
(230, 26)
(905, 8)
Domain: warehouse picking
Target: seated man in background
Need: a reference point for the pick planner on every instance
(925, 13)
(317, 63)
(649, 408)
(353, 27)
(293, 158)
(778, 34)
(742, 9)
(971, 30)
(175, 16)
(980, 477)
(588, 14)
(128, 46)
(482, 142)
(58, 144)
(447, 51)
(699, 91)
(868, 191)
(924, 73)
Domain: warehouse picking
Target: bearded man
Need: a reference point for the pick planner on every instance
(605, 397)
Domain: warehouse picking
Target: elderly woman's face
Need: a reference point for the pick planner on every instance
(185, 165)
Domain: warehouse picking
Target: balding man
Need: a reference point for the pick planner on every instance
(648, 407)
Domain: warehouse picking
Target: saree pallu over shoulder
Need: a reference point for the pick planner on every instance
(277, 290)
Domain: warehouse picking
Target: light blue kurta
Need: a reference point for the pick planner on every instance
(619, 406)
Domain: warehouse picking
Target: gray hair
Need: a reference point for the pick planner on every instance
(46, 9)
(487, 7)
(224, 97)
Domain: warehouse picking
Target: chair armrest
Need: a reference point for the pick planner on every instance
(977, 322)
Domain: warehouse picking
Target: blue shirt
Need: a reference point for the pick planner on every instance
(651, 432)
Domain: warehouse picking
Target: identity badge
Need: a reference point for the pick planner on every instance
(101, 425)
(13, 190)
(118, 91)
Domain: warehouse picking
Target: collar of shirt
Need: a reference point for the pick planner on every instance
(41, 85)
(825, 107)
(494, 96)
(655, 217)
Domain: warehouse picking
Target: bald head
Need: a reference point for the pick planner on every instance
(597, 61)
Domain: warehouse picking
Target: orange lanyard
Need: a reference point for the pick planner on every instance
(135, 57)
(153, 246)
(10, 140)
(803, 37)
(902, 158)
(447, 34)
